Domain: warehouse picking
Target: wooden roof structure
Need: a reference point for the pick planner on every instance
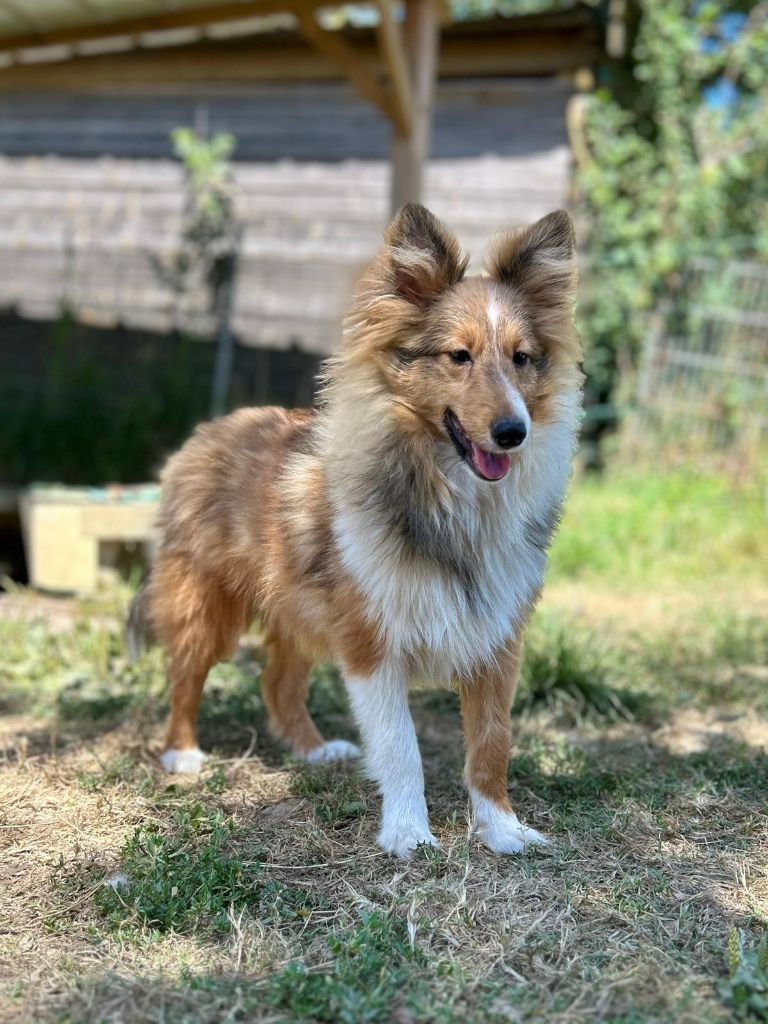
(90, 199)
(408, 52)
(392, 65)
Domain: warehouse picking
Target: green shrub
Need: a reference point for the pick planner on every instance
(670, 176)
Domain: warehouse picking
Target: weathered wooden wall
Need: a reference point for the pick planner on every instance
(88, 193)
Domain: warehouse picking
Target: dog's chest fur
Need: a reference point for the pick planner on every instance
(449, 586)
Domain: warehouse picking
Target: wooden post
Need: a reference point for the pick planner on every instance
(224, 273)
(411, 150)
(332, 45)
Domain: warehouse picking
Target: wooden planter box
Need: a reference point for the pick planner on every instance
(71, 534)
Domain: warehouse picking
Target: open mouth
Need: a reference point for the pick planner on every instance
(486, 465)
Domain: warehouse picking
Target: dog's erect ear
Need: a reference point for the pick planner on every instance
(419, 261)
(423, 256)
(539, 261)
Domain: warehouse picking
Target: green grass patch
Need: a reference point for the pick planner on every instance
(746, 990)
(717, 659)
(630, 528)
(368, 972)
(120, 771)
(185, 875)
(372, 973)
(39, 664)
(568, 668)
(588, 788)
(335, 791)
(328, 702)
(232, 694)
(280, 902)
(80, 674)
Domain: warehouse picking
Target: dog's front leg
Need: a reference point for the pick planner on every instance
(380, 705)
(486, 702)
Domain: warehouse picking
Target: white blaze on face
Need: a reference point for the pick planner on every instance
(493, 313)
(517, 407)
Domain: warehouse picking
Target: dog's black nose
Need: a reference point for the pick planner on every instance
(509, 433)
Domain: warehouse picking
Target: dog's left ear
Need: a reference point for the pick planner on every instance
(423, 257)
(539, 261)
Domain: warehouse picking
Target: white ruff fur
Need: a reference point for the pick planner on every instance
(425, 614)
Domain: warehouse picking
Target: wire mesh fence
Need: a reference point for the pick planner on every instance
(703, 378)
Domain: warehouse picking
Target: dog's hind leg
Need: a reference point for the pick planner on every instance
(284, 688)
(199, 624)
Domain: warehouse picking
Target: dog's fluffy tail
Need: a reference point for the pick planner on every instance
(138, 629)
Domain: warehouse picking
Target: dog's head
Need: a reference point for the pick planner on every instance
(481, 361)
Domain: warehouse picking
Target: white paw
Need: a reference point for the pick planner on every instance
(333, 750)
(502, 831)
(402, 840)
(183, 762)
(509, 835)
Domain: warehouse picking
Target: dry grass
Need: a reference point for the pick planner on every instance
(256, 892)
(660, 848)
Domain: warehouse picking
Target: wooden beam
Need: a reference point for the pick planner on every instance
(87, 6)
(333, 46)
(444, 12)
(245, 61)
(195, 17)
(20, 14)
(410, 152)
(393, 52)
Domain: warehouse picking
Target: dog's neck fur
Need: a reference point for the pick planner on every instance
(449, 565)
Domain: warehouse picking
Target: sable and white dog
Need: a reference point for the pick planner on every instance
(400, 530)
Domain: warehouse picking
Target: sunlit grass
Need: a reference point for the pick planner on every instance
(682, 527)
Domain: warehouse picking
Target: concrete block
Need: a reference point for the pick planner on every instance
(66, 530)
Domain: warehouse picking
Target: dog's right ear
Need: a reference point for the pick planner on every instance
(419, 261)
(421, 258)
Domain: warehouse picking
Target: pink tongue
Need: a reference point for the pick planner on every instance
(491, 466)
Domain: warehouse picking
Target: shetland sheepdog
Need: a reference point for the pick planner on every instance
(400, 530)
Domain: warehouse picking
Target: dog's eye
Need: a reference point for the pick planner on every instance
(460, 355)
(521, 359)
